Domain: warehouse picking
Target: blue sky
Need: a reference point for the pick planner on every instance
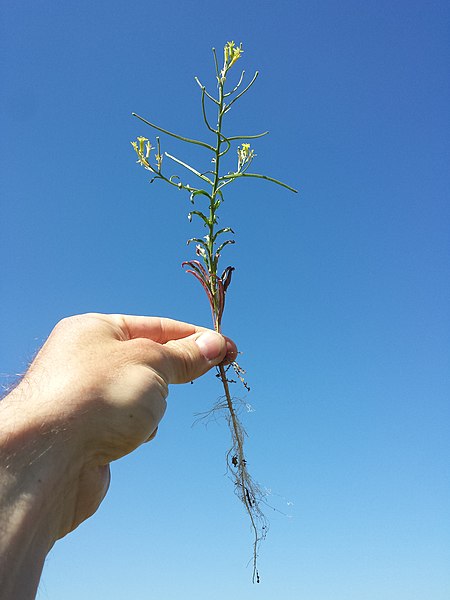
(339, 302)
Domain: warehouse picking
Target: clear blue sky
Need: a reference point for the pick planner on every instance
(340, 301)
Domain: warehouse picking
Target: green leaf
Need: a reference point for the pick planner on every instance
(220, 248)
(178, 137)
(199, 193)
(198, 241)
(258, 176)
(224, 230)
(228, 106)
(248, 137)
(199, 214)
(183, 164)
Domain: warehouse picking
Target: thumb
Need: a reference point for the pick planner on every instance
(190, 357)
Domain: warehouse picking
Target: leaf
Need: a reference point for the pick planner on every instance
(248, 137)
(178, 137)
(199, 214)
(199, 193)
(223, 245)
(224, 230)
(228, 106)
(226, 277)
(183, 164)
(197, 265)
(205, 287)
(258, 176)
(197, 241)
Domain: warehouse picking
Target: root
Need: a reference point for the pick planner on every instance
(249, 493)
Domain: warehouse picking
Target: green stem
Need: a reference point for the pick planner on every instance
(213, 206)
(242, 478)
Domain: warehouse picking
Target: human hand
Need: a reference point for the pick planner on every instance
(95, 392)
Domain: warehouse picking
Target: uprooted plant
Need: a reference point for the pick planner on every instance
(209, 249)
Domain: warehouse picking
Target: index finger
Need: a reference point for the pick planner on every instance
(158, 329)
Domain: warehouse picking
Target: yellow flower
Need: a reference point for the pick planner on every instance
(144, 141)
(230, 55)
(245, 155)
(142, 148)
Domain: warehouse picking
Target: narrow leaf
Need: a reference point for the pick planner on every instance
(258, 176)
(227, 108)
(224, 230)
(219, 249)
(248, 137)
(178, 137)
(183, 164)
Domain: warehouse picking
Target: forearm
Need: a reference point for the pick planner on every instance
(22, 546)
(29, 491)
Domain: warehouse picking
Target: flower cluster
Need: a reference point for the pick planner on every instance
(245, 156)
(231, 53)
(143, 148)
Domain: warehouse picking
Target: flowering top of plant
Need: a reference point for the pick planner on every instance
(231, 53)
(215, 281)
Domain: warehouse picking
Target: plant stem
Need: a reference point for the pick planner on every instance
(245, 488)
(212, 210)
(209, 248)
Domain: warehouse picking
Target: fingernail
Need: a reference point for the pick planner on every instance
(211, 345)
(150, 437)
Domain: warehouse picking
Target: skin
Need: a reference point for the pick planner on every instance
(95, 392)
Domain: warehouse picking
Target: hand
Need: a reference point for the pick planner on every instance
(95, 392)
